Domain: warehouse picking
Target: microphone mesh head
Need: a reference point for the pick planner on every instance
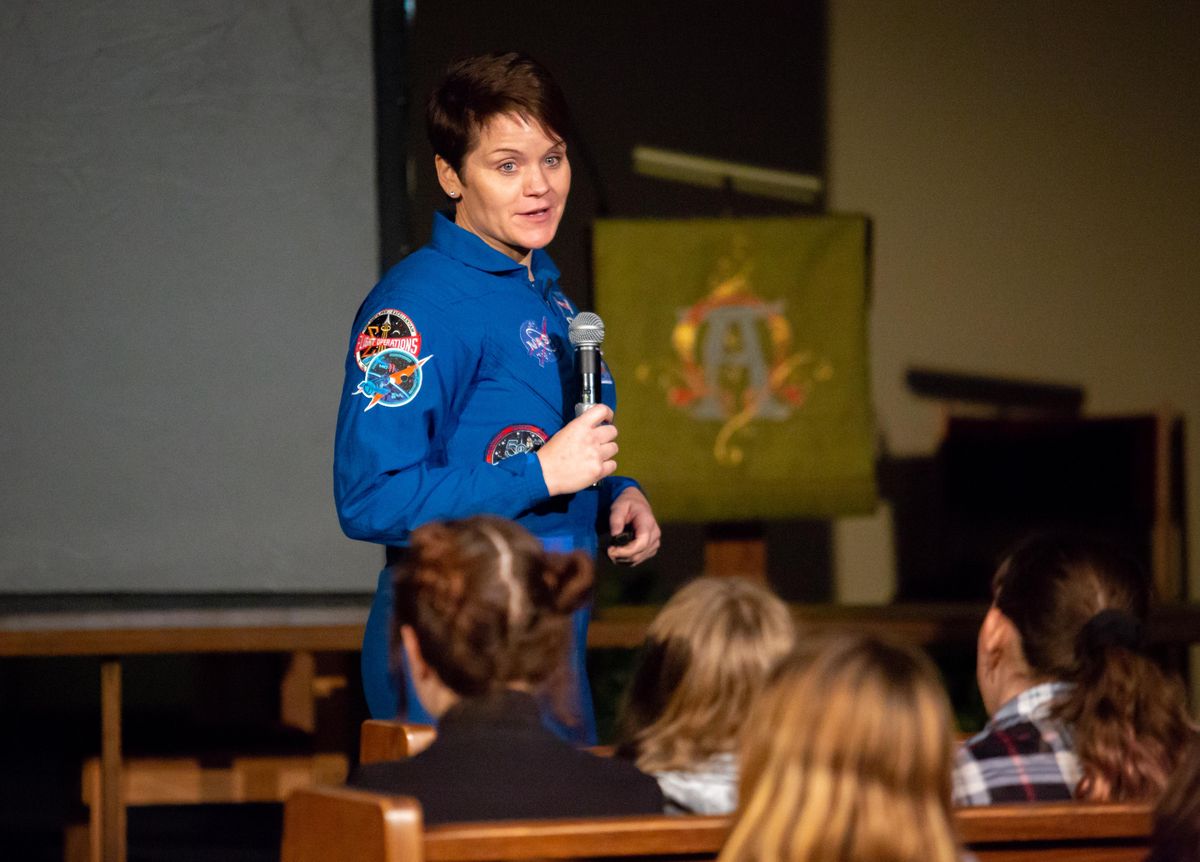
(586, 330)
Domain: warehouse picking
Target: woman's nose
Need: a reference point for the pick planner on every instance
(535, 181)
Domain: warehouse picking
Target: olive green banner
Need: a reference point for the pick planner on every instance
(740, 351)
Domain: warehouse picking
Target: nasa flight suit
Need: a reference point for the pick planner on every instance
(458, 369)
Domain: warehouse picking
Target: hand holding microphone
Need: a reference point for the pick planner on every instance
(581, 453)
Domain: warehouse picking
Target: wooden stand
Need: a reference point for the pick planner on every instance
(736, 549)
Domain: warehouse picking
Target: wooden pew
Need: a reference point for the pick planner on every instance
(326, 824)
(189, 781)
(391, 739)
(1057, 831)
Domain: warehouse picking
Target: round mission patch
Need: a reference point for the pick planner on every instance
(389, 329)
(515, 440)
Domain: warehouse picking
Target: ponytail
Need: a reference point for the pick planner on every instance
(1128, 716)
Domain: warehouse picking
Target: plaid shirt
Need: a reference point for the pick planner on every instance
(1021, 755)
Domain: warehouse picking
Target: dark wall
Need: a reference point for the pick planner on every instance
(737, 81)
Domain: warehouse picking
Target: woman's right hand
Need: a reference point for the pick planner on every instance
(581, 453)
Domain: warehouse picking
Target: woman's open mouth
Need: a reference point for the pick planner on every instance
(538, 215)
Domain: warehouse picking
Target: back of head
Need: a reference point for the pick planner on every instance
(846, 756)
(1052, 585)
(476, 89)
(490, 608)
(707, 655)
(1079, 606)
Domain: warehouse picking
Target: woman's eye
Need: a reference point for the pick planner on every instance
(552, 161)
(508, 167)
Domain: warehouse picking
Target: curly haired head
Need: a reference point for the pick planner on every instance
(706, 657)
(846, 756)
(489, 606)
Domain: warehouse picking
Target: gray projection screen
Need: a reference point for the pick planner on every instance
(187, 222)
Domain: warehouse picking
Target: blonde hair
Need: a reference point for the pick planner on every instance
(846, 757)
(706, 657)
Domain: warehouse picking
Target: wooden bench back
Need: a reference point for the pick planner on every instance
(1052, 831)
(390, 739)
(327, 824)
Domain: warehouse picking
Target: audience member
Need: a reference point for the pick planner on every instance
(706, 657)
(1177, 818)
(483, 615)
(846, 758)
(1077, 708)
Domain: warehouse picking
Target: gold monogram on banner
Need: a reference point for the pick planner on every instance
(739, 348)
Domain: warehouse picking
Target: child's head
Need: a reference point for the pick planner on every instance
(489, 608)
(706, 657)
(1071, 608)
(845, 756)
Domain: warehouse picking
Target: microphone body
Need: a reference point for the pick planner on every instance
(587, 334)
(589, 374)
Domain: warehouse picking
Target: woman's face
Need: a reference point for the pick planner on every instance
(513, 186)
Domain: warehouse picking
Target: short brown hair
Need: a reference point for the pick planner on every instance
(488, 604)
(476, 89)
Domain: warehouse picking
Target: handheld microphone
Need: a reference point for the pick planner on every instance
(587, 334)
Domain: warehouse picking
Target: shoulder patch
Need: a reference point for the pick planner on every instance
(386, 330)
(393, 378)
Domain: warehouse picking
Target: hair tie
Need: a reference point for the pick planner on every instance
(1111, 627)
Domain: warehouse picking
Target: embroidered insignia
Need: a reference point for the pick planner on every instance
(538, 342)
(387, 329)
(515, 440)
(393, 378)
(563, 303)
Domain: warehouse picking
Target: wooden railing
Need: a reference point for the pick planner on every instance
(335, 823)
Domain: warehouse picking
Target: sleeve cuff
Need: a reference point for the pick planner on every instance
(528, 469)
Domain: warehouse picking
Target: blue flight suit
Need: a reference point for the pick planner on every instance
(458, 369)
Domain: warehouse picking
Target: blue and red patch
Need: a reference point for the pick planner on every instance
(538, 342)
(515, 440)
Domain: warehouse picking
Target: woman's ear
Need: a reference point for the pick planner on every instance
(993, 663)
(448, 178)
(994, 636)
(417, 665)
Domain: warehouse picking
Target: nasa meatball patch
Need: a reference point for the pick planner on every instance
(537, 341)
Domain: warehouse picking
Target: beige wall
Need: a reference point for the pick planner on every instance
(1033, 172)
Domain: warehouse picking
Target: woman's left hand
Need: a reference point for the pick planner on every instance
(631, 511)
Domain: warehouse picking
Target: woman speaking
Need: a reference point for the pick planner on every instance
(460, 382)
